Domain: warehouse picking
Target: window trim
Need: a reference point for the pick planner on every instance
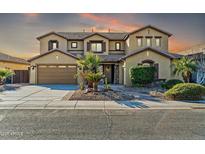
(160, 41)
(116, 46)
(50, 44)
(72, 44)
(150, 38)
(140, 37)
(96, 42)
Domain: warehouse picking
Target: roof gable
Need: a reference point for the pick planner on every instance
(166, 54)
(50, 33)
(96, 34)
(84, 35)
(54, 50)
(152, 27)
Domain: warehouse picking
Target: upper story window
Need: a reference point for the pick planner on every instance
(74, 44)
(148, 41)
(139, 41)
(158, 42)
(52, 44)
(117, 46)
(96, 47)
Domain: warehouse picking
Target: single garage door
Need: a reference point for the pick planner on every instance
(57, 74)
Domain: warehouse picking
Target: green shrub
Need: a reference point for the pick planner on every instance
(5, 73)
(185, 91)
(141, 75)
(171, 83)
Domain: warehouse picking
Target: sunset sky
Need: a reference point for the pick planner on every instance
(18, 32)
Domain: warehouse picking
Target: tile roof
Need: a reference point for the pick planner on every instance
(164, 53)
(108, 35)
(83, 35)
(104, 58)
(110, 58)
(48, 52)
(8, 58)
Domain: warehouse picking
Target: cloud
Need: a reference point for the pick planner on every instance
(110, 22)
(106, 22)
(24, 55)
(177, 45)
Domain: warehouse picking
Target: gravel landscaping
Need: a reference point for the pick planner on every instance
(98, 96)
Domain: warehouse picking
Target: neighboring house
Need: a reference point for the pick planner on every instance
(119, 52)
(196, 49)
(197, 52)
(18, 65)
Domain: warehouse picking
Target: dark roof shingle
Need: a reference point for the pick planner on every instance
(8, 58)
(83, 35)
(164, 53)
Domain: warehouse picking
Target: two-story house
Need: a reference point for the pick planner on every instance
(59, 52)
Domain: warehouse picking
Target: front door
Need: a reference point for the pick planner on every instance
(108, 70)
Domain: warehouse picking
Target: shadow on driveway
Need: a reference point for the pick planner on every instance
(9, 87)
(133, 104)
(59, 86)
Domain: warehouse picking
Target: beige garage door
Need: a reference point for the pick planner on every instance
(57, 74)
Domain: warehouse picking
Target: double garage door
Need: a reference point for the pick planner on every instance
(57, 74)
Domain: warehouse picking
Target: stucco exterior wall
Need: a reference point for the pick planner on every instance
(164, 64)
(52, 58)
(112, 49)
(96, 38)
(148, 32)
(80, 45)
(112, 45)
(44, 43)
(121, 72)
(13, 66)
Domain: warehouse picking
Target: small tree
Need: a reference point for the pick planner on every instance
(184, 66)
(89, 63)
(90, 70)
(94, 78)
(5, 73)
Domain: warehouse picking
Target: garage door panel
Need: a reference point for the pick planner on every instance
(55, 74)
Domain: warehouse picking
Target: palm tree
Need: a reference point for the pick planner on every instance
(184, 66)
(5, 73)
(94, 78)
(89, 64)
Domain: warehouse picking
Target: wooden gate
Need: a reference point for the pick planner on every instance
(21, 76)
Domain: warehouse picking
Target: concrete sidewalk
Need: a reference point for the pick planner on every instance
(57, 104)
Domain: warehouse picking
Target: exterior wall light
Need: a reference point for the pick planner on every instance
(57, 57)
(33, 67)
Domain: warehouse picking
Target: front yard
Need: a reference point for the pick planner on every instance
(99, 96)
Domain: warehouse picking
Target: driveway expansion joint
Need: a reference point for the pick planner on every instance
(31, 94)
(19, 104)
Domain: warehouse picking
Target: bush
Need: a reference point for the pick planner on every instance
(185, 91)
(142, 75)
(171, 83)
(5, 73)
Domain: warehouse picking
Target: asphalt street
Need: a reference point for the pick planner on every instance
(102, 124)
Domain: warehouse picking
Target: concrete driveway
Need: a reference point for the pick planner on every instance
(37, 92)
(50, 97)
